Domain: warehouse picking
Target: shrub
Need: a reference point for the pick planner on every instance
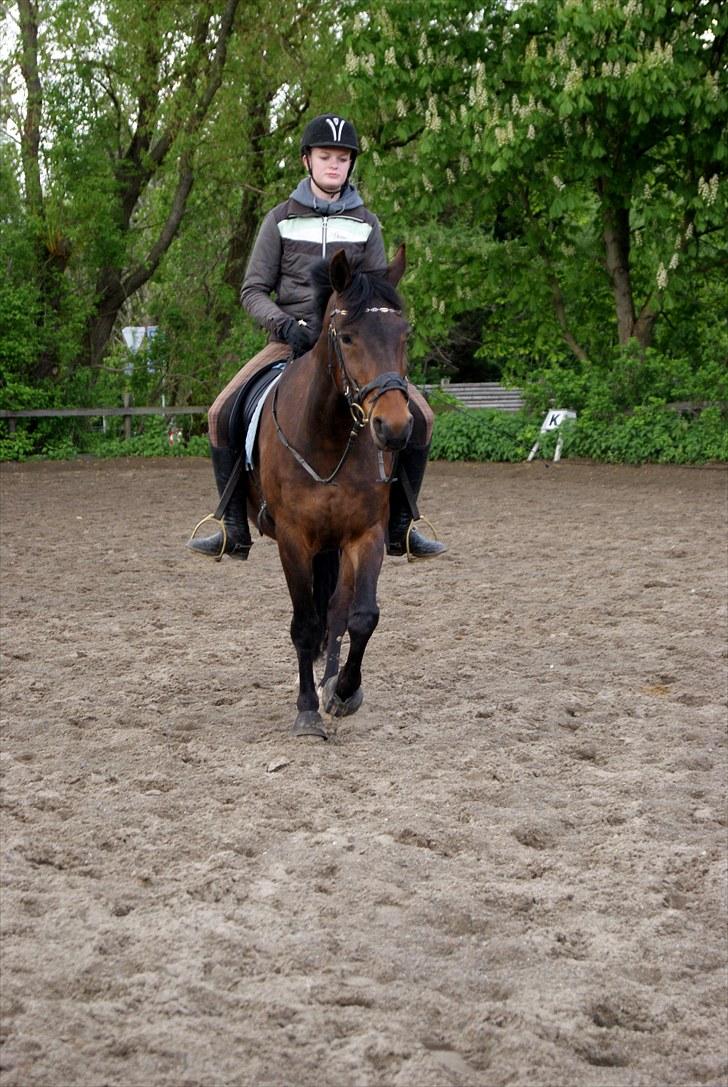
(482, 434)
(651, 433)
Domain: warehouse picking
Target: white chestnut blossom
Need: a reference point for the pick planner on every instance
(708, 190)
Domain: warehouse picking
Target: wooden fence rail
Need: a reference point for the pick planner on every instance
(127, 412)
(484, 394)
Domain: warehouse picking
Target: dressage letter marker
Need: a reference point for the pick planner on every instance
(554, 419)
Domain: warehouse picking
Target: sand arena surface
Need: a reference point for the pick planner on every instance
(507, 868)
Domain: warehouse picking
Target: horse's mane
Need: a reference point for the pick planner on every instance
(365, 288)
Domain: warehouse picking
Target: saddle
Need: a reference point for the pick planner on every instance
(245, 414)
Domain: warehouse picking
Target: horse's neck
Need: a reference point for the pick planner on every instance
(323, 401)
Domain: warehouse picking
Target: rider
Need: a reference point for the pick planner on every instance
(322, 215)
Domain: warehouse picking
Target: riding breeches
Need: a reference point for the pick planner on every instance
(218, 417)
(220, 413)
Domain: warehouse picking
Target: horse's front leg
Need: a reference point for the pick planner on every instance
(305, 635)
(338, 615)
(343, 694)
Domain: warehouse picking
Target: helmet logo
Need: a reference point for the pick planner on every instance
(336, 125)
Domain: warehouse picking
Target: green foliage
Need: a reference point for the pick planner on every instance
(535, 157)
(627, 378)
(651, 433)
(556, 166)
(482, 435)
(440, 400)
(18, 446)
(65, 439)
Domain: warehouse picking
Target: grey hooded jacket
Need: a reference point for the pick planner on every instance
(292, 237)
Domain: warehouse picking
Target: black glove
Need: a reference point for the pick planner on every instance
(298, 337)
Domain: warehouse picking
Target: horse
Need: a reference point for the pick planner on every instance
(327, 440)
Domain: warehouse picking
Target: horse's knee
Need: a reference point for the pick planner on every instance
(306, 634)
(363, 623)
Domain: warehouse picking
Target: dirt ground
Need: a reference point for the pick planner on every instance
(507, 868)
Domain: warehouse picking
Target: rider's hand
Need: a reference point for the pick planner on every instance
(298, 337)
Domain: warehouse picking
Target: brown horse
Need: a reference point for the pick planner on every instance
(328, 439)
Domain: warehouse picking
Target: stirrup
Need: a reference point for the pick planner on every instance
(218, 521)
(405, 546)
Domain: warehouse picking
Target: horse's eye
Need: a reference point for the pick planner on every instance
(345, 338)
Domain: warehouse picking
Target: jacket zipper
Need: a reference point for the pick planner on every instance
(324, 226)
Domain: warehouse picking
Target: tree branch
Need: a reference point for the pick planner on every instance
(557, 297)
(144, 272)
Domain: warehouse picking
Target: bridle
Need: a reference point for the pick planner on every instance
(355, 396)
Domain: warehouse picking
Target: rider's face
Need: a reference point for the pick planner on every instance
(329, 168)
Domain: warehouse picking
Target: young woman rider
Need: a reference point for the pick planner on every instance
(322, 215)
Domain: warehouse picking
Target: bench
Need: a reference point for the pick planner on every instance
(481, 394)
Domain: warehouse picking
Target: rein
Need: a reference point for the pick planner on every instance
(354, 395)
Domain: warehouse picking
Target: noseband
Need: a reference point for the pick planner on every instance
(355, 394)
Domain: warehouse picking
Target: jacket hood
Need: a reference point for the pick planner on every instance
(348, 200)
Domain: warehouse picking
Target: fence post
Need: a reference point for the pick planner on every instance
(127, 418)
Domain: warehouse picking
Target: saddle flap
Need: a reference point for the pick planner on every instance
(247, 402)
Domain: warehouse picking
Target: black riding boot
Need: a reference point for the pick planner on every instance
(235, 518)
(404, 540)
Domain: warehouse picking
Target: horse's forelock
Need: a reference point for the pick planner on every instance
(365, 289)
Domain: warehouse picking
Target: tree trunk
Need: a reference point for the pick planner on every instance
(249, 214)
(51, 250)
(616, 246)
(616, 234)
(30, 135)
(113, 286)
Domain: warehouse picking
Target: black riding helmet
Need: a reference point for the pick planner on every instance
(328, 130)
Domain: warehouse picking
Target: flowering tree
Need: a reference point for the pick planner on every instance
(558, 162)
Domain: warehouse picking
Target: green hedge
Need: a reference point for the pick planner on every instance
(651, 433)
(64, 439)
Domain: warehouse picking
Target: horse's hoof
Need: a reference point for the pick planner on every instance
(309, 723)
(339, 707)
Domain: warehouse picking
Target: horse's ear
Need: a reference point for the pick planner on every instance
(395, 270)
(340, 271)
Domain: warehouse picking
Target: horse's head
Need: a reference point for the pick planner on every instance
(367, 345)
